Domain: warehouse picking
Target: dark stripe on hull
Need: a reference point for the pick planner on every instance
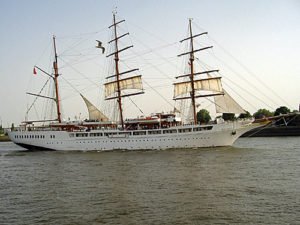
(34, 148)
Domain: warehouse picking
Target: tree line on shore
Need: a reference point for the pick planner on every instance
(203, 115)
(1, 130)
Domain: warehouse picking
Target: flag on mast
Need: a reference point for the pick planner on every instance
(34, 71)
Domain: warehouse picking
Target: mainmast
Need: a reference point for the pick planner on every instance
(115, 89)
(190, 87)
(119, 100)
(55, 67)
(191, 59)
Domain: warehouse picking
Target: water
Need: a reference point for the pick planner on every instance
(255, 182)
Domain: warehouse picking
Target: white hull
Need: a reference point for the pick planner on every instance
(104, 140)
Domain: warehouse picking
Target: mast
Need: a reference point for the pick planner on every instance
(115, 89)
(55, 67)
(190, 87)
(192, 73)
(119, 100)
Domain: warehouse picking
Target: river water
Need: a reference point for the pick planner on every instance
(257, 181)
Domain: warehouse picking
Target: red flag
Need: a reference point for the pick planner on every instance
(34, 71)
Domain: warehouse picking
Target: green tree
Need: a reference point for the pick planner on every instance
(245, 115)
(282, 110)
(261, 113)
(228, 116)
(203, 116)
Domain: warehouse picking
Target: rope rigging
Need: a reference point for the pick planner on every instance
(252, 74)
(35, 99)
(148, 55)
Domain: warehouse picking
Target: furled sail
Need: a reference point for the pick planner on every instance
(94, 113)
(134, 82)
(226, 104)
(208, 84)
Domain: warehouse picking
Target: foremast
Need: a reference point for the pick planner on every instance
(187, 89)
(115, 89)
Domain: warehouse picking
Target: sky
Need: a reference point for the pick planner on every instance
(256, 46)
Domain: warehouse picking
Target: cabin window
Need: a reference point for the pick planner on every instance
(110, 134)
(154, 132)
(207, 128)
(95, 134)
(124, 133)
(203, 128)
(139, 133)
(197, 128)
(169, 131)
(184, 130)
(81, 134)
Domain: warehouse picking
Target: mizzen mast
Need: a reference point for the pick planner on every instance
(55, 67)
(193, 84)
(55, 98)
(115, 89)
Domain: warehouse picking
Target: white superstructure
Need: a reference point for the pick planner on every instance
(189, 136)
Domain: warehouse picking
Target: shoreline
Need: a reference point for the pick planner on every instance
(4, 139)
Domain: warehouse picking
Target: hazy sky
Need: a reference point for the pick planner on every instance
(256, 42)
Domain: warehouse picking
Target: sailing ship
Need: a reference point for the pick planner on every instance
(158, 131)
